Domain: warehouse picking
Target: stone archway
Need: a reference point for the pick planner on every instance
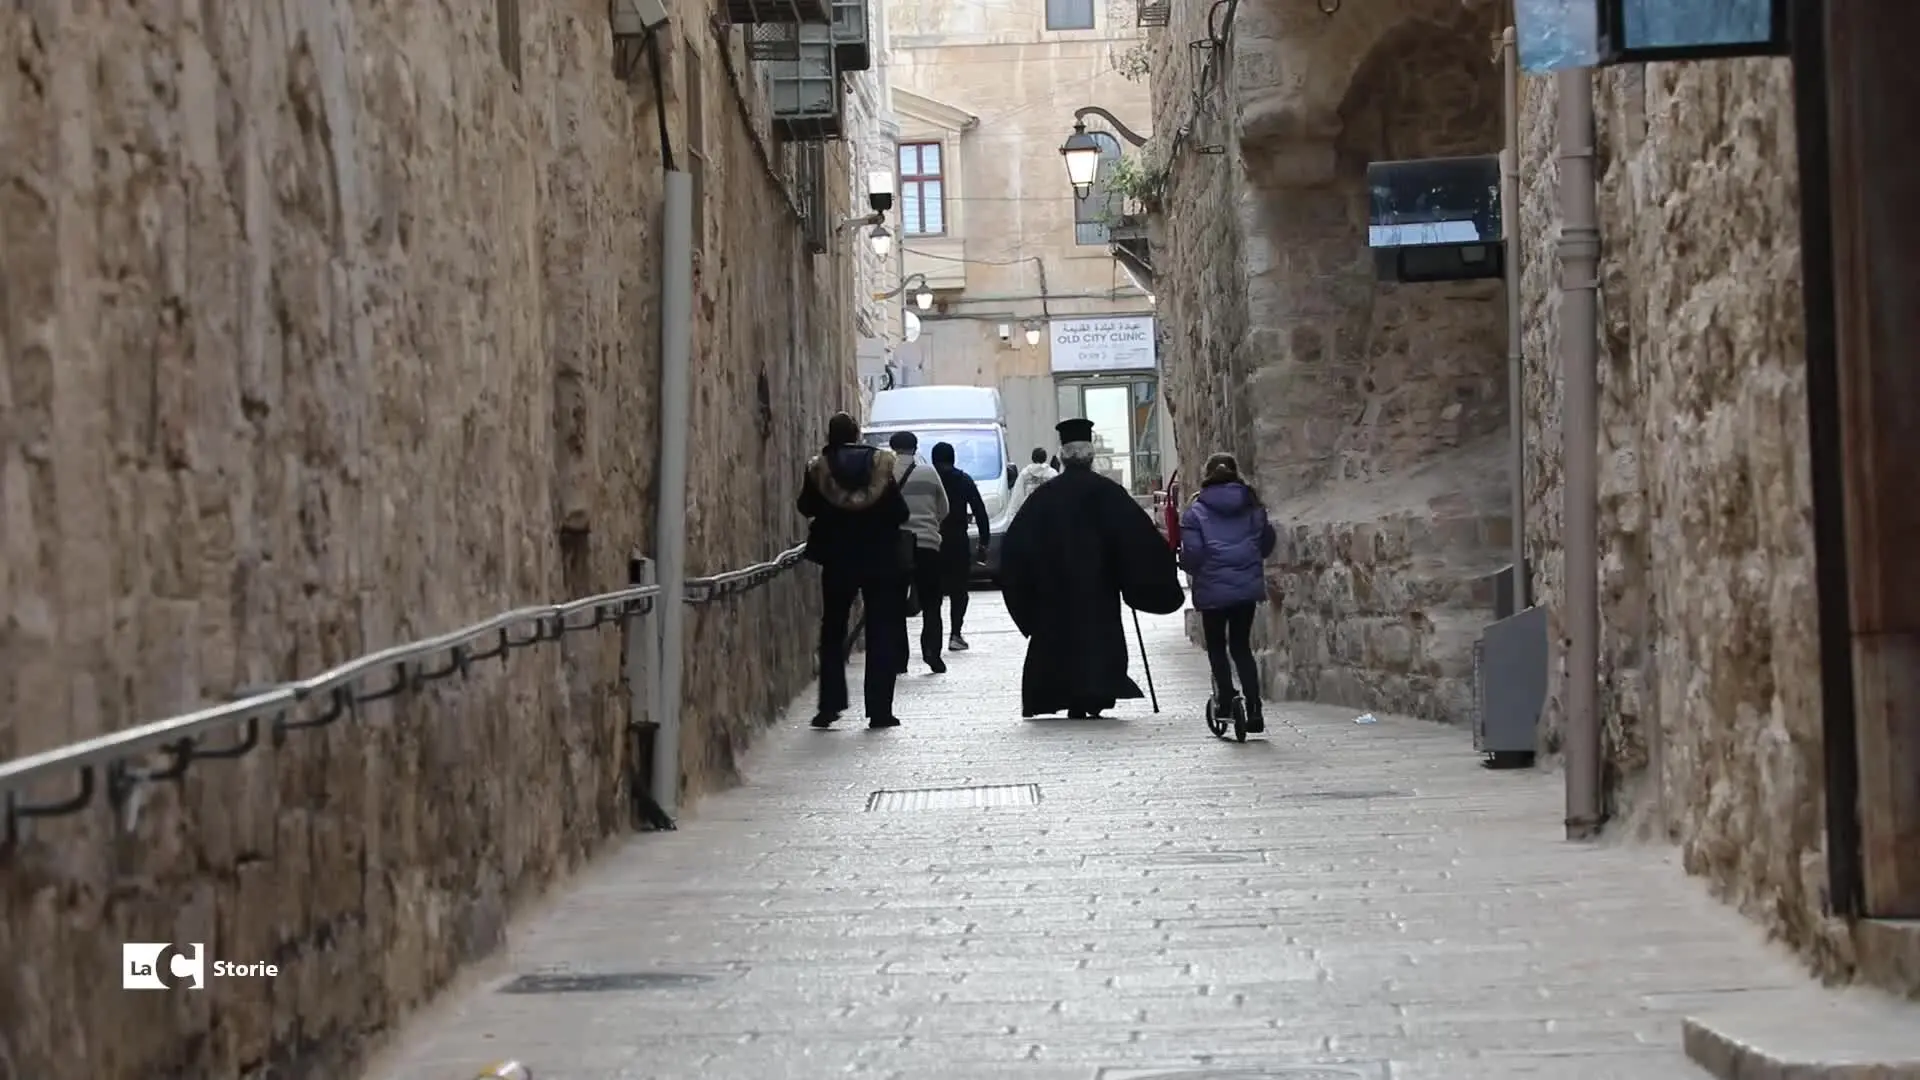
(1294, 65)
(1374, 411)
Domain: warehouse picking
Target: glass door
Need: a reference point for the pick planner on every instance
(1111, 410)
(1125, 410)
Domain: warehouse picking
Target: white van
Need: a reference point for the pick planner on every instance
(972, 419)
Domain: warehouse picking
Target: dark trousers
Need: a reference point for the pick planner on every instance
(1229, 632)
(886, 618)
(956, 568)
(927, 577)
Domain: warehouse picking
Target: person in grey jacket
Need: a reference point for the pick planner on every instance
(927, 507)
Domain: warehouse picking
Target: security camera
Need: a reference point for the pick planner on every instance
(1006, 332)
(880, 191)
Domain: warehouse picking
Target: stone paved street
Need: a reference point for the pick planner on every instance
(1361, 896)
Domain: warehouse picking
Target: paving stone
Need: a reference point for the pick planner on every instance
(1174, 902)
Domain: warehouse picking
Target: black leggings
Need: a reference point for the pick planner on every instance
(1229, 631)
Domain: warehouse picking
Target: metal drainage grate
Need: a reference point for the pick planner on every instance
(1264, 1073)
(1342, 795)
(603, 983)
(1202, 858)
(956, 798)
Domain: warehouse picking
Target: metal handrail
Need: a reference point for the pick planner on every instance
(328, 696)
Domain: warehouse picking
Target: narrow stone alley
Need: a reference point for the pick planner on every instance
(1359, 898)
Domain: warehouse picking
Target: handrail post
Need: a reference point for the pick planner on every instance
(642, 650)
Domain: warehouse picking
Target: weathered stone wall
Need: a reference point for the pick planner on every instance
(322, 331)
(1708, 649)
(1197, 255)
(1361, 409)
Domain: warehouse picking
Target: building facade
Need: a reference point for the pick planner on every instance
(1022, 288)
(872, 132)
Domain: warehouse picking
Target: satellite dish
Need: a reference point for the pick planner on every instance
(913, 327)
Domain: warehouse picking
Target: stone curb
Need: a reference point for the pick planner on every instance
(1717, 1046)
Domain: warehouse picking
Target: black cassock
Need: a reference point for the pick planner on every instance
(1077, 548)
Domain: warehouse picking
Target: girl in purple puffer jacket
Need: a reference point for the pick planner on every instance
(1224, 538)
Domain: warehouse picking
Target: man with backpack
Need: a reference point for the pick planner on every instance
(853, 500)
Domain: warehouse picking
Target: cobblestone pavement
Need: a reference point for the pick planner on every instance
(1363, 898)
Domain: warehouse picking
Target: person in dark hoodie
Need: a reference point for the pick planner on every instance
(853, 498)
(1225, 538)
(957, 556)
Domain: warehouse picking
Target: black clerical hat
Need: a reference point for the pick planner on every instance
(1072, 431)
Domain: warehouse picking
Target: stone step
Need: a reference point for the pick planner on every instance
(1466, 582)
(1809, 1035)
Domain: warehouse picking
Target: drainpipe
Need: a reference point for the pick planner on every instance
(1579, 348)
(900, 274)
(1516, 373)
(670, 523)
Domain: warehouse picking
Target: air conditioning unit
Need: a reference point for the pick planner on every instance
(852, 35)
(789, 12)
(803, 92)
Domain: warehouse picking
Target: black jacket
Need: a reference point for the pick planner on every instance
(963, 499)
(854, 501)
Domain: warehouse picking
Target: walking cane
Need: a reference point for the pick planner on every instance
(1152, 695)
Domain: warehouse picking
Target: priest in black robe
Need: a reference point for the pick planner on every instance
(1079, 548)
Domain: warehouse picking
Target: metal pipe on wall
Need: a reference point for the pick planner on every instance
(1516, 366)
(1579, 358)
(670, 521)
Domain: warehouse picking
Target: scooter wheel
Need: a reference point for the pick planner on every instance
(1239, 720)
(1216, 722)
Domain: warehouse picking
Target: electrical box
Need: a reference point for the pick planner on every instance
(1510, 686)
(1436, 219)
(767, 12)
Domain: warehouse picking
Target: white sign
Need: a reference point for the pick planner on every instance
(1433, 232)
(1124, 344)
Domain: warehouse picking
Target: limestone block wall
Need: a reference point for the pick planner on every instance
(326, 328)
(1709, 671)
(1197, 253)
(1356, 406)
(1377, 605)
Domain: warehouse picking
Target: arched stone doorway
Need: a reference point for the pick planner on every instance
(1374, 412)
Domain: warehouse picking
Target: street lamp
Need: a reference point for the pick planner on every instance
(923, 299)
(1082, 154)
(1082, 151)
(1033, 333)
(881, 239)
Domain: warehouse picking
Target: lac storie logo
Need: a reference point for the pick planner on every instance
(160, 965)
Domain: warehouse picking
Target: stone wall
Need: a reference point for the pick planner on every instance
(323, 331)
(1196, 241)
(1710, 678)
(1360, 408)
